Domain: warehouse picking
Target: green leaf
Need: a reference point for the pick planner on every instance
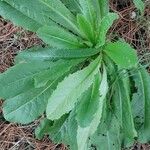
(42, 54)
(34, 10)
(57, 69)
(74, 85)
(105, 25)
(64, 131)
(138, 99)
(83, 133)
(72, 5)
(139, 5)
(122, 54)
(108, 138)
(61, 15)
(46, 12)
(28, 106)
(122, 106)
(88, 103)
(88, 10)
(142, 111)
(85, 27)
(8, 12)
(104, 7)
(58, 37)
(91, 11)
(19, 78)
(43, 128)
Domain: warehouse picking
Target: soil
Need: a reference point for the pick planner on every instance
(131, 26)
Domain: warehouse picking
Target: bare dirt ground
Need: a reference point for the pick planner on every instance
(131, 26)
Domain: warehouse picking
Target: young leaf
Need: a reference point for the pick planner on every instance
(8, 12)
(91, 12)
(104, 7)
(88, 10)
(140, 5)
(122, 54)
(83, 133)
(85, 27)
(42, 54)
(19, 78)
(70, 89)
(58, 37)
(105, 25)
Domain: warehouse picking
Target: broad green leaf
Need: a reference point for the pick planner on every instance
(88, 103)
(88, 10)
(104, 7)
(142, 103)
(28, 106)
(61, 15)
(19, 19)
(25, 105)
(83, 133)
(43, 128)
(46, 12)
(122, 54)
(91, 11)
(57, 69)
(140, 5)
(42, 54)
(122, 107)
(85, 27)
(70, 89)
(58, 37)
(32, 9)
(105, 25)
(19, 78)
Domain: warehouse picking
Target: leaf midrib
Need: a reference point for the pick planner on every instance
(23, 13)
(29, 76)
(34, 98)
(77, 86)
(57, 12)
(64, 40)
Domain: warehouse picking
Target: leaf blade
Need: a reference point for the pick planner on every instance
(20, 19)
(83, 133)
(64, 102)
(58, 37)
(19, 78)
(36, 54)
(122, 54)
(106, 23)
